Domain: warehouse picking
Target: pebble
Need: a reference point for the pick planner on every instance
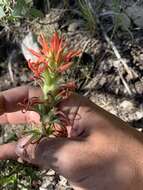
(127, 106)
(75, 25)
(63, 181)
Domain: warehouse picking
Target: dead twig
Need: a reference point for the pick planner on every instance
(10, 68)
(119, 58)
(117, 54)
(125, 83)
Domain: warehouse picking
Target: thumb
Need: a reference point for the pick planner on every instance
(7, 151)
(26, 150)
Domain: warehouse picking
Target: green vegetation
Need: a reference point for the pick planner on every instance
(11, 11)
(89, 15)
(120, 18)
(16, 176)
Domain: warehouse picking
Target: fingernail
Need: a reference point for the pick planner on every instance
(20, 160)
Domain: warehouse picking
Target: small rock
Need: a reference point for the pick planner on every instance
(29, 42)
(75, 25)
(51, 172)
(63, 180)
(141, 56)
(139, 87)
(139, 115)
(102, 81)
(47, 181)
(127, 106)
(42, 188)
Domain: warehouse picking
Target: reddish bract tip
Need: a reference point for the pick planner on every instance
(52, 56)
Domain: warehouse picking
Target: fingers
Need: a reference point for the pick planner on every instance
(9, 103)
(20, 118)
(26, 150)
(7, 151)
(64, 155)
(9, 99)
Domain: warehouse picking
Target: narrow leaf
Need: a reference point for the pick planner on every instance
(2, 13)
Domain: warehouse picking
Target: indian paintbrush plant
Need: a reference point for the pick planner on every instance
(52, 60)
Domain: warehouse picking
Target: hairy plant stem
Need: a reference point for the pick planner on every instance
(50, 84)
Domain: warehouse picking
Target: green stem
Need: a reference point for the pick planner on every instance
(50, 83)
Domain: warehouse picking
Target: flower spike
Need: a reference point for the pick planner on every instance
(53, 55)
(53, 58)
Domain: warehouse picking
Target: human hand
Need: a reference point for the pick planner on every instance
(101, 151)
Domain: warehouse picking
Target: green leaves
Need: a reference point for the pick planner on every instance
(7, 180)
(10, 11)
(35, 13)
(87, 13)
(2, 13)
(25, 8)
(15, 176)
(21, 8)
(3, 4)
(120, 18)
